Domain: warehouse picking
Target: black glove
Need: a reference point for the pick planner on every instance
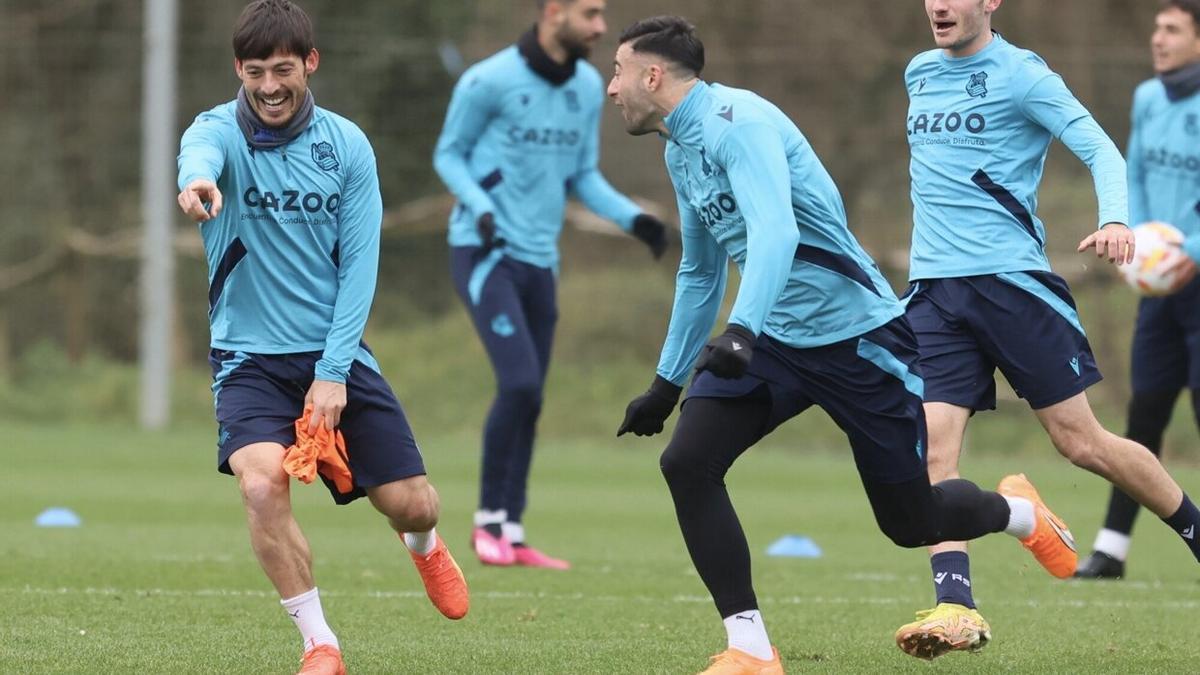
(652, 232)
(486, 226)
(728, 355)
(645, 414)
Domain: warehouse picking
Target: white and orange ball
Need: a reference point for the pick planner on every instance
(1156, 247)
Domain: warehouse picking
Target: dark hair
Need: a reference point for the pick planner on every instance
(671, 37)
(269, 26)
(1190, 6)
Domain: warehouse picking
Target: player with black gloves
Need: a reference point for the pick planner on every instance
(521, 134)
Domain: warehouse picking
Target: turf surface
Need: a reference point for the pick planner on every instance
(160, 577)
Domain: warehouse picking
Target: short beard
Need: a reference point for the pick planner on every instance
(576, 49)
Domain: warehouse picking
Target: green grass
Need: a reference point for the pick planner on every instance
(160, 578)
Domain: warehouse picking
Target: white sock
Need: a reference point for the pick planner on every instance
(1022, 519)
(514, 532)
(305, 610)
(748, 634)
(421, 543)
(490, 517)
(1113, 543)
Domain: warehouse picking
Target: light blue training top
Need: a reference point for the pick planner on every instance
(1164, 161)
(515, 145)
(750, 188)
(293, 255)
(979, 129)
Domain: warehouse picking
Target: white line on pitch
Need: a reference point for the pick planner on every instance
(576, 597)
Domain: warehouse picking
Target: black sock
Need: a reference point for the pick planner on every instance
(952, 578)
(1184, 521)
(494, 529)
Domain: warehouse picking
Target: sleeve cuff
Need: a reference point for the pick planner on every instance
(328, 373)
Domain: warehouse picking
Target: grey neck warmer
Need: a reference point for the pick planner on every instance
(262, 137)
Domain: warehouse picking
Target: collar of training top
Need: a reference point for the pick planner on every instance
(540, 62)
(687, 116)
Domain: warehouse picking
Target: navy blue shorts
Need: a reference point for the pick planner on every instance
(1023, 323)
(258, 398)
(870, 385)
(1166, 342)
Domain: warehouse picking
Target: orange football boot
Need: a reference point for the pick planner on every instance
(444, 581)
(1051, 542)
(322, 660)
(737, 662)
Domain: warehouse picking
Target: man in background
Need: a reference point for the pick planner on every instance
(521, 134)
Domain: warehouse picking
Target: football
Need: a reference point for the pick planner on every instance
(1156, 247)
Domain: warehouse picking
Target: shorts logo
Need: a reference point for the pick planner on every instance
(322, 154)
(1191, 125)
(977, 85)
(222, 436)
(503, 326)
(1075, 365)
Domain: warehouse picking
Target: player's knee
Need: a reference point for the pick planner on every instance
(419, 512)
(525, 394)
(678, 465)
(1078, 448)
(262, 489)
(905, 534)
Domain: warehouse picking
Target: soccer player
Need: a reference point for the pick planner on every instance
(982, 113)
(288, 202)
(522, 133)
(1164, 185)
(814, 323)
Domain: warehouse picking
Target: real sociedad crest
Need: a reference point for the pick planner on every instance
(572, 100)
(977, 86)
(322, 154)
(1191, 125)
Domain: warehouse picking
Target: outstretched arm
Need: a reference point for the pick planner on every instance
(1049, 103)
(1094, 148)
(201, 161)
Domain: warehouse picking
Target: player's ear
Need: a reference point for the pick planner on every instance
(311, 62)
(654, 77)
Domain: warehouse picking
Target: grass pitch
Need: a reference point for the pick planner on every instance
(160, 578)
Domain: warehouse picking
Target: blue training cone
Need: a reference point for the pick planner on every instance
(794, 546)
(57, 516)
